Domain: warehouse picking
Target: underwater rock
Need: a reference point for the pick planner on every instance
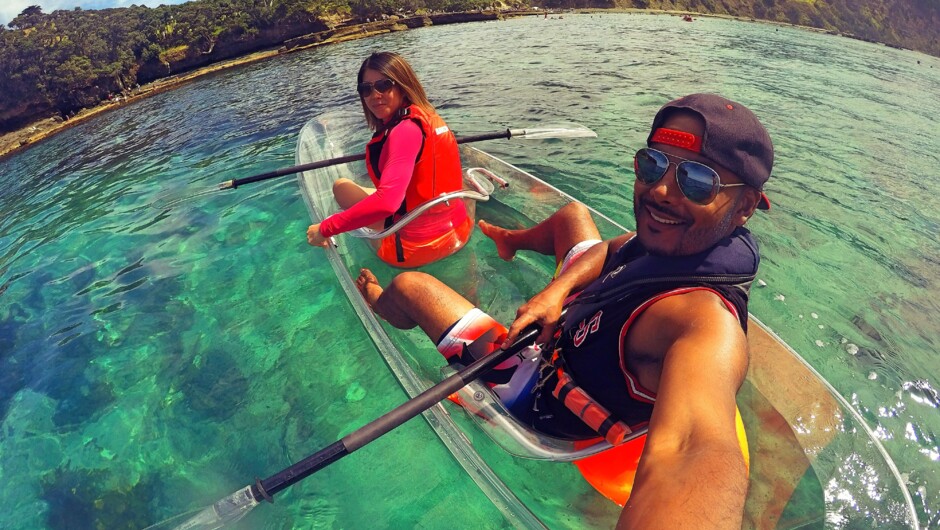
(215, 387)
(83, 403)
(872, 355)
(77, 499)
(867, 328)
(355, 393)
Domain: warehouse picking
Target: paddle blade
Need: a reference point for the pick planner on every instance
(553, 131)
(166, 203)
(225, 511)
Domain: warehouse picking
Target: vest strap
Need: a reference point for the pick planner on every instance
(591, 412)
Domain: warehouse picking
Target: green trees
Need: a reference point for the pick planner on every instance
(65, 60)
(371, 9)
(31, 16)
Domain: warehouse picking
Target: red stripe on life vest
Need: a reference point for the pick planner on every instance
(637, 391)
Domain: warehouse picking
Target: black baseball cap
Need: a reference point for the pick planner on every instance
(733, 137)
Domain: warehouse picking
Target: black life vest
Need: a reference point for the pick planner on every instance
(594, 379)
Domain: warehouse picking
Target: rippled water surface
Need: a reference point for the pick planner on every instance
(156, 356)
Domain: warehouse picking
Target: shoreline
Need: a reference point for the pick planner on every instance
(22, 139)
(27, 136)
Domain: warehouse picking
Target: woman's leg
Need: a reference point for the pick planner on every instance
(347, 193)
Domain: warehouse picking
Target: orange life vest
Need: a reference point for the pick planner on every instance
(437, 169)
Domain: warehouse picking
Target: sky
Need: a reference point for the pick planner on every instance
(9, 9)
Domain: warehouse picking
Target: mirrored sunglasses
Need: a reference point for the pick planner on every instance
(698, 182)
(382, 86)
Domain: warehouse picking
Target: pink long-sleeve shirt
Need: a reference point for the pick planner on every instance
(396, 165)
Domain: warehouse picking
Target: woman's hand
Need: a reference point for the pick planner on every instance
(314, 238)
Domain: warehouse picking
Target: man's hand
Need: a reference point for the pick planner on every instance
(543, 309)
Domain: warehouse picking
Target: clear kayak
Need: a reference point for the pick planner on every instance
(814, 462)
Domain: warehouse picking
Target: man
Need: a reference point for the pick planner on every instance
(660, 315)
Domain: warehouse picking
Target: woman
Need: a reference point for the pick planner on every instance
(412, 158)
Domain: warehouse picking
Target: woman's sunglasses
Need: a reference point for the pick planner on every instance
(698, 182)
(382, 86)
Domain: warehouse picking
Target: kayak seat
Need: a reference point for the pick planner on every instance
(479, 183)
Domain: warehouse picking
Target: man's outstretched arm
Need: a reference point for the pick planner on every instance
(692, 472)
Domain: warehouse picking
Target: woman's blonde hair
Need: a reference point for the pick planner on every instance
(396, 68)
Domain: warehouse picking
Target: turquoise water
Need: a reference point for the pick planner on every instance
(155, 359)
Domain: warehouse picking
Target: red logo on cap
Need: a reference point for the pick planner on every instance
(685, 140)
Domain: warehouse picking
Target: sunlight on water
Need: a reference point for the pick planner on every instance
(156, 355)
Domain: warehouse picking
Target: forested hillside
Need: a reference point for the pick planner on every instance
(913, 24)
(58, 63)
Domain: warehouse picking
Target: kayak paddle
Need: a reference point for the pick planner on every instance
(233, 507)
(536, 133)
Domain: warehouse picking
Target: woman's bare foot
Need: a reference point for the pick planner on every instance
(500, 236)
(369, 287)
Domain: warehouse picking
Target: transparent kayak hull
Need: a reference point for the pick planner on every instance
(814, 461)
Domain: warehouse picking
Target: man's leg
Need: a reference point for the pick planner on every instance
(555, 236)
(414, 299)
(461, 332)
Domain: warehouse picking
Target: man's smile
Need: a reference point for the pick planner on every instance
(662, 217)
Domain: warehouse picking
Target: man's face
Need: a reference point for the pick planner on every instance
(668, 223)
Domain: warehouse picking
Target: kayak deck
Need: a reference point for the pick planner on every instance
(813, 460)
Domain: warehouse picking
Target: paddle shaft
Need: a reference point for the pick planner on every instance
(234, 183)
(265, 489)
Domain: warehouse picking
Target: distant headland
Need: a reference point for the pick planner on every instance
(158, 49)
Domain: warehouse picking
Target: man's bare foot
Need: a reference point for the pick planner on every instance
(500, 236)
(369, 286)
